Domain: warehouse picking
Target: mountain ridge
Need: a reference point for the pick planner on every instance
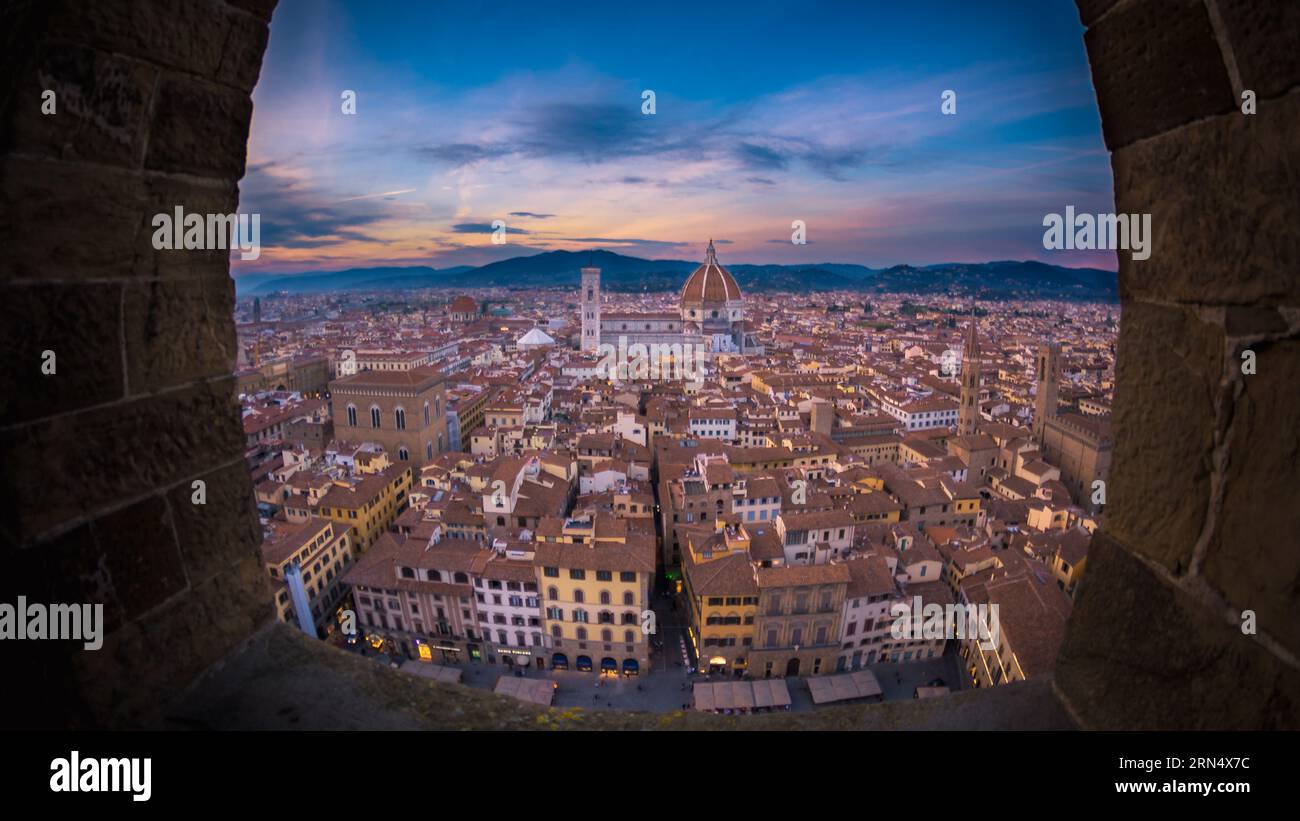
(1000, 279)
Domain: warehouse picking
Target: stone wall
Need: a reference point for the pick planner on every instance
(1203, 520)
(151, 110)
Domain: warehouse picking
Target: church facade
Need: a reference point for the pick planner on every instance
(710, 316)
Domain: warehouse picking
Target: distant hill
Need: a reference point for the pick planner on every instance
(351, 279)
(1006, 279)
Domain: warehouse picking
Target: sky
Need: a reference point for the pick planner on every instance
(765, 113)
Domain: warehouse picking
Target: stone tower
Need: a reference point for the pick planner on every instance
(590, 309)
(1048, 375)
(969, 413)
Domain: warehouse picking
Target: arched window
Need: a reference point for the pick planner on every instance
(630, 618)
(426, 414)
(374, 416)
(399, 418)
(428, 450)
(606, 635)
(629, 598)
(402, 453)
(440, 443)
(629, 636)
(519, 638)
(434, 575)
(352, 415)
(604, 597)
(555, 630)
(461, 578)
(582, 634)
(579, 596)
(552, 593)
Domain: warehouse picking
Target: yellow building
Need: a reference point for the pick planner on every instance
(719, 586)
(594, 577)
(368, 504)
(322, 550)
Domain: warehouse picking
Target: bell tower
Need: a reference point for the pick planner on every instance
(969, 413)
(590, 299)
(1048, 376)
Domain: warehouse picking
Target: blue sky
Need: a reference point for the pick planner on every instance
(765, 113)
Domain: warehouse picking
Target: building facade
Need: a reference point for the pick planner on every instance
(402, 410)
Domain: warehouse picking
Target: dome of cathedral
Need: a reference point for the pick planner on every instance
(710, 284)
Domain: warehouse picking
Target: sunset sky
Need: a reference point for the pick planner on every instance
(766, 113)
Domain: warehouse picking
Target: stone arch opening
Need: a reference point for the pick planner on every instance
(157, 101)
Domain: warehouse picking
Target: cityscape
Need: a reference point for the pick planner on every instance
(717, 393)
(678, 369)
(475, 488)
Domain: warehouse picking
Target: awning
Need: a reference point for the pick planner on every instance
(740, 695)
(861, 684)
(533, 690)
(608, 663)
(630, 666)
(559, 660)
(583, 662)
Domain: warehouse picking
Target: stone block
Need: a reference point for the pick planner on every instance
(1139, 654)
(1220, 195)
(81, 325)
(1168, 370)
(1253, 557)
(1156, 65)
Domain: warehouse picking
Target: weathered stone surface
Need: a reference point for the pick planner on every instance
(128, 561)
(146, 89)
(199, 128)
(222, 532)
(1168, 369)
(1090, 10)
(1240, 320)
(87, 351)
(1221, 196)
(260, 8)
(1265, 38)
(1140, 654)
(178, 331)
(1253, 557)
(127, 680)
(140, 555)
(163, 195)
(67, 222)
(202, 37)
(1155, 65)
(101, 107)
(92, 459)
